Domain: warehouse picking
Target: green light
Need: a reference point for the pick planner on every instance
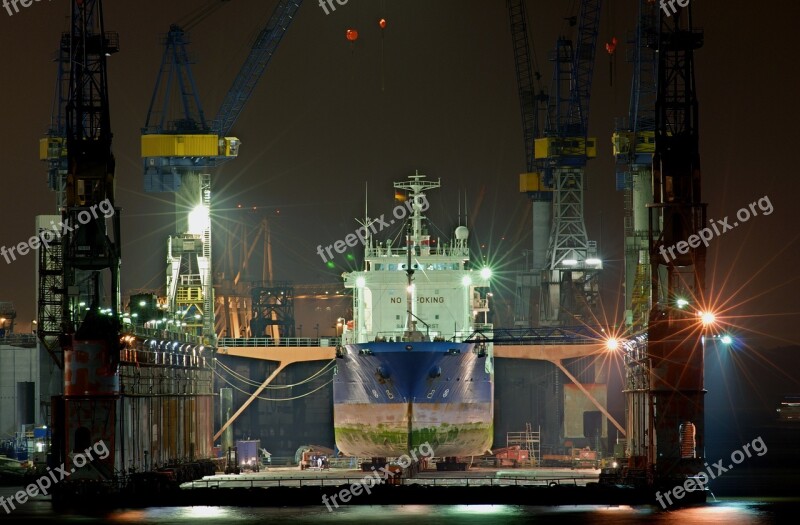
(330, 264)
(682, 303)
(350, 257)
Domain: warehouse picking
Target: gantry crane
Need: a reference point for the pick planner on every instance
(664, 360)
(569, 283)
(79, 266)
(564, 265)
(674, 332)
(179, 154)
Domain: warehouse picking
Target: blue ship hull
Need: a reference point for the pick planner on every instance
(390, 398)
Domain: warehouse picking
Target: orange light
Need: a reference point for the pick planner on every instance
(352, 35)
(708, 318)
(382, 23)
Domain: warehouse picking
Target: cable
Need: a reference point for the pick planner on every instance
(256, 383)
(201, 13)
(268, 399)
(275, 387)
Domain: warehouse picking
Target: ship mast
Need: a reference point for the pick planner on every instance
(410, 325)
(415, 187)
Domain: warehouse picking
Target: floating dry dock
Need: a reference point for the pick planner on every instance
(289, 487)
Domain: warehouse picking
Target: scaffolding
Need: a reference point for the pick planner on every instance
(529, 440)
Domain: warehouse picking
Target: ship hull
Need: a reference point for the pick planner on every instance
(391, 398)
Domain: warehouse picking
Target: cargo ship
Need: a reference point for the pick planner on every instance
(410, 370)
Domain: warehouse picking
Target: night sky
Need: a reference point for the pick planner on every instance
(436, 93)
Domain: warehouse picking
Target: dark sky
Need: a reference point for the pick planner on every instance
(328, 116)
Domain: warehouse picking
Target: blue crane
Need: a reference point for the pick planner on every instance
(192, 141)
(562, 276)
(569, 282)
(179, 152)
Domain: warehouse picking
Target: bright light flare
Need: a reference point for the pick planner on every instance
(486, 273)
(726, 339)
(199, 220)
(612, 343)
(708, 318)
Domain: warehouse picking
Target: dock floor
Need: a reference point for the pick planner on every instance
(476, 476)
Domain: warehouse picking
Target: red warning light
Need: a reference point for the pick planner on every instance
(352, 35)
(382, 23)
(611, 47)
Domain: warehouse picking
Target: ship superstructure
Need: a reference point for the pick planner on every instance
(409, 373)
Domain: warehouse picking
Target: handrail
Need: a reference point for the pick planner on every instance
(335, 481)
(245, 342)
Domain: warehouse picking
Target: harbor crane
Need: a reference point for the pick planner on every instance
(569, 285)
(676, 324)
(665, 356)
(79, 282)
(565, 265)
(180, 153)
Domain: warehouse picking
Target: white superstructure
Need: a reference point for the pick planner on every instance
(439, 298)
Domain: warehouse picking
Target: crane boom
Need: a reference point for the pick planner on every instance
(255, 64)
(528, 97)
(583, 65)
(537, 181)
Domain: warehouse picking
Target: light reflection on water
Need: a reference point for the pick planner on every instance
(733, 512)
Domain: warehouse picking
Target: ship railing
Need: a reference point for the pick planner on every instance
(480, 304)
(165, 334)
(453, 337)
(331, 480)
(573, 335)
(399, 336)
(245, 342)
(449, 251)
(22, 340)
